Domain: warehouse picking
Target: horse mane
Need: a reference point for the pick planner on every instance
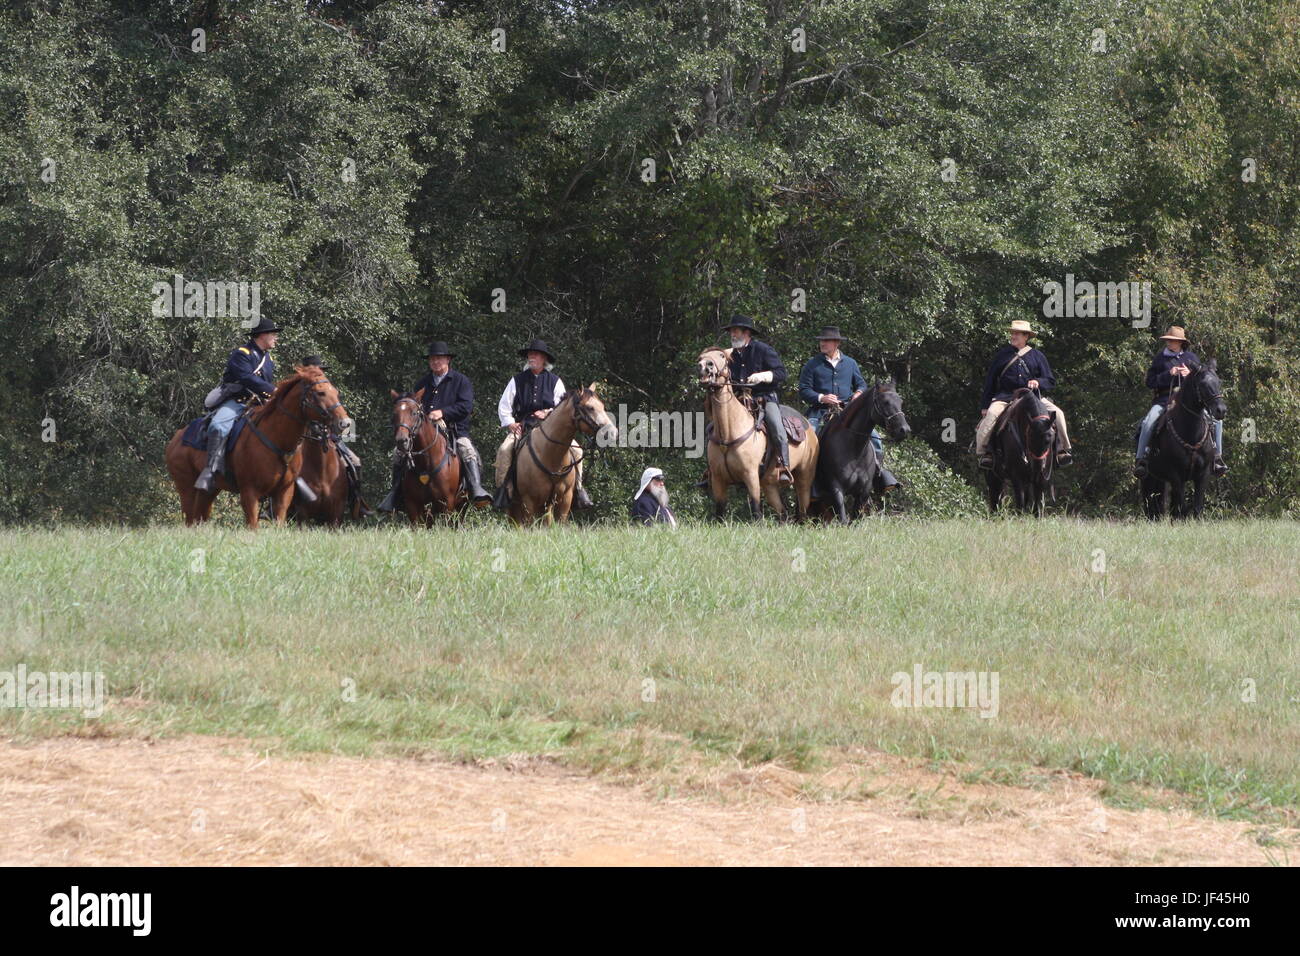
(311, 374)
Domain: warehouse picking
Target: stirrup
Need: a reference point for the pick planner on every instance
(1065, 457)
(986, 462)
(1140, 468)
(1220, 467)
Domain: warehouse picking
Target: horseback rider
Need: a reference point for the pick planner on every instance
(528, 398)
(1014, 366)
(828, 382)
(353, 469)
(249, 378)
(448, 398)
(1170, 367)
(751, 361)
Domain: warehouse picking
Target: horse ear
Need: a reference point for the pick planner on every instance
(393, 393)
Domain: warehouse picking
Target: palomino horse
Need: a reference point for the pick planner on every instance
(267, 456)
(431, 481)
(1024, 449)
(1183, 449)
(324, 472)
(547, 458)
(736, 447)
(847, 463)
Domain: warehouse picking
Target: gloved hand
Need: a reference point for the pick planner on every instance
(759, 378)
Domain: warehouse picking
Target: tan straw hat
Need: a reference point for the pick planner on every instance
(1174, 334)
(1020, 325)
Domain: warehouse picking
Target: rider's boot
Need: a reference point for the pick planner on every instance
(784, 475)
(1064, 456)
(389, 504)
(886, 482)
(474, 480)
(986, 461)
(207, 480)
(1140, 467)
(582, 500)
(1220, 466)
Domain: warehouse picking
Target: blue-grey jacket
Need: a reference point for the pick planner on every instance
(819, 377)
(1158, 377)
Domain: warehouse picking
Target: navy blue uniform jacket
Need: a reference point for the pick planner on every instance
(998, 385)
(239, 369)
(758, 357)
(1158, 377)
(454, 395)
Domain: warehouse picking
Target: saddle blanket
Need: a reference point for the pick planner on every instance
(196, 436)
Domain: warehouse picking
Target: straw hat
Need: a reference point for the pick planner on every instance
(1175, 334)
(1020, 325)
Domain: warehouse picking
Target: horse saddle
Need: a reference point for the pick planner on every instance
(796, 426)
(196, 436)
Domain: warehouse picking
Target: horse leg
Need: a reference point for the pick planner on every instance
(280, 502)
(773, 493)
(718, 489)
(837, 499)
(251, 502)
(1198, 494)
(754, 492)
(1177, 508)
(995, 491)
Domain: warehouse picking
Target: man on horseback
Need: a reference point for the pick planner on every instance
(753, 362)
(828, 382)
(1014, 366)
(249, 377)
(448, 398)
(1171, 365)
(528, 398)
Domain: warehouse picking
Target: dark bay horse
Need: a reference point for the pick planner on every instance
(267, 456)
(431, 480)
(847, 465)
(1024, 447)
(1182, 449)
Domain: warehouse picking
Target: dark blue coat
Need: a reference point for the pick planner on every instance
(648, 511)
(454, 395)
(998, 385)
(819, 377)
(243, 367)
(1158, 377)
(758, 357)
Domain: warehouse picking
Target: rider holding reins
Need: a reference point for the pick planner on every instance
(1017, 365)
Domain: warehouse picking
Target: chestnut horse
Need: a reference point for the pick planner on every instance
(547, 458)
(325, 474)
(267, 457)
(737, 446)
(431, 482)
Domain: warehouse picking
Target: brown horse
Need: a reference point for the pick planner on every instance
(325, 474)
(547, 459)
(737, 446)
(431, 482)
(267, 457)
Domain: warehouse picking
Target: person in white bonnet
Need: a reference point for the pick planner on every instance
(650, 503)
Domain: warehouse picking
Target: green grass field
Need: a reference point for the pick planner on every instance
(763, 644)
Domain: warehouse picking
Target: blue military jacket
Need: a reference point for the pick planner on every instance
(999, 384)
(252, 368)
(820, 377)
(454, 395)
(758, 357)
(1158, 377)
(648, 511)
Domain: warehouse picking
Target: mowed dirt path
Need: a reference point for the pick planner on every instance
(207, 801)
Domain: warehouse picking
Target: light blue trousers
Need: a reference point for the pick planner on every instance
(1153, 415)
(223, 419)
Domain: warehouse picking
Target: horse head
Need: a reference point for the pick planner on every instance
(714, 371)
(1039, 423)
(887, 410)
(591, 418)
(1206, 391)
(407, 420)
(320, 400)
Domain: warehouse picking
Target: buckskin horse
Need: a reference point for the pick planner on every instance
(1024, 453)
(267, 455)
(431, 480)
(1182, 447)
(847, 463)
(737, 446)
(547, 458)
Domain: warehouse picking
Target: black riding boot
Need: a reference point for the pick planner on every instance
(390, 503)
(885, 482)
(469, 465)
(207, 479)
(1140, 467)
(581, 500)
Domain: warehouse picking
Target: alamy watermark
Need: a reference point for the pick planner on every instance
(965, 689)
(208, 300)
(50, 690)
(658, 430)
(1102, 300)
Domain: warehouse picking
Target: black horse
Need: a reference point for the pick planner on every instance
(1182, 446)
(1024, 452)
(847, 464)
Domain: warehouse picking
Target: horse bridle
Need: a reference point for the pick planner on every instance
(323, 421)
(580, 414)
(414, 430)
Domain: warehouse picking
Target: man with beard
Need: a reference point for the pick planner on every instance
(650, 503)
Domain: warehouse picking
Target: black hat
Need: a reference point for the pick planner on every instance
(829, 332)
(439, 348)
(263, 325)
(537, 345)
(313, 360)
(740, 322)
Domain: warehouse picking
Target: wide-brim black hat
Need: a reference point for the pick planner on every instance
(740, 322)
(263, 325)
(829, 332)
(313, 360)
(537, 345)
(439, 348)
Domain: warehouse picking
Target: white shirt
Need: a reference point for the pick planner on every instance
(505, 407)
